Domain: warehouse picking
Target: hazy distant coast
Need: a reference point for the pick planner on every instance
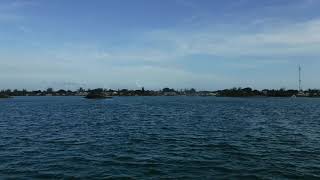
(234, 92)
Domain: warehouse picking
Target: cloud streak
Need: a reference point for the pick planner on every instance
(10, 11)
(299, 39)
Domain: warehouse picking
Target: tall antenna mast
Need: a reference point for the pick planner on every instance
(300, 88)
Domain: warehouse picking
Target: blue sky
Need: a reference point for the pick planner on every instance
(207, 44)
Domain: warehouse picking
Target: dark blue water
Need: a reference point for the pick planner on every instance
(160, 137)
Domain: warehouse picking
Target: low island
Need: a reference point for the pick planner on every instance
(97, 96)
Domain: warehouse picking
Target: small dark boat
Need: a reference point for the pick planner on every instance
(97, 96)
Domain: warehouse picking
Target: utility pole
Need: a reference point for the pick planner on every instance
(300, 88)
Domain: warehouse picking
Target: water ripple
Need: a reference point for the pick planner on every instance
(159, 137)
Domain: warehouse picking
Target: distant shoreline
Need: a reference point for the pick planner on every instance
(244, 97)
(234, 92)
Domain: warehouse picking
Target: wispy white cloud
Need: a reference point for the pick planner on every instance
(171, 46)
(15, 4)
(293, 39)
(10, 11)
(105, 75)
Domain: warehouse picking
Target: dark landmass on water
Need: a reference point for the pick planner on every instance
(97, 95)
(107, 93)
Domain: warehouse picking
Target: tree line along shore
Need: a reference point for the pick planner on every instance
(234, 92)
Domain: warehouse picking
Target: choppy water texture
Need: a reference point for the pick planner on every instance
(160, 137)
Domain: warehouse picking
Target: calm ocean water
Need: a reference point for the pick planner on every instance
(160, 137)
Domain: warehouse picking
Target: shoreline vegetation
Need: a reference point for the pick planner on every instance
(4, 96)
(108, 93)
